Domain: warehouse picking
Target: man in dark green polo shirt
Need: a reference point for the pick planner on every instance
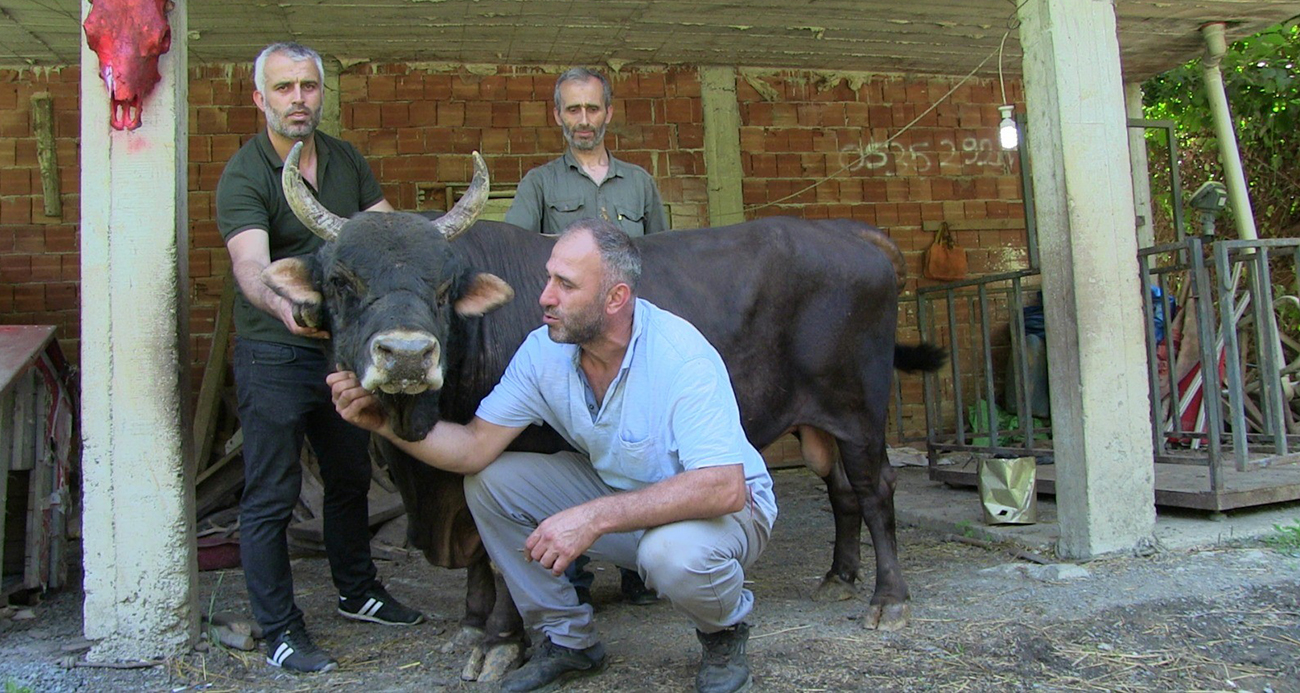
(280, 366)
(587, 182)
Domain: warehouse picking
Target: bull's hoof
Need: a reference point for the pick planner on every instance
(888, 617)
(834, 589)
(501, 659)
(466, 638)
(474, 665)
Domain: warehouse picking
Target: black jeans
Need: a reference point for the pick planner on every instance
(282, 397)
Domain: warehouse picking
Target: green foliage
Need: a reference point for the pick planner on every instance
(1262, 77)
(1009, 425)
(1287, 540)
(13, 687)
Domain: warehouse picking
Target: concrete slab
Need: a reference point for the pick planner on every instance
(936, 506)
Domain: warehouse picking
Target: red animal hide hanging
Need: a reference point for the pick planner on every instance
(128, 36)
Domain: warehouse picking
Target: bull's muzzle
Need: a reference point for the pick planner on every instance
(403, 362)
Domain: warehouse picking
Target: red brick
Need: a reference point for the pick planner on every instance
(523, 141)
(505, 115)
(464, 88)
(638, 111)
(691, 136)
(382, 87)
(478, 114)
(16, 210)
(6, 299)
(15, 181)
(495, 142)
(29, 298)
(519, 87)
(353, 87)
(61, 296)
(437, 87)
(451, 115)
(394, 115)
(409, 87)
(534, 114)
(423, 113)
(7, 152)
(25, 153)
(492, 88)
(410, 141)
(652, 84)
(244, 120)
(364, 116)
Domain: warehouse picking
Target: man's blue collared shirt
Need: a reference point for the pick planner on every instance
(670, 408)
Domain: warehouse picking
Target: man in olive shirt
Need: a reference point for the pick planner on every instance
(587, 182)
(280, 366)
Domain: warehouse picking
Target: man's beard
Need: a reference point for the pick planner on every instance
(579, 326)
(585, 146)
(279, 124)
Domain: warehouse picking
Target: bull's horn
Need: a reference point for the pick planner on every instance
(470, 205)
(311, 213)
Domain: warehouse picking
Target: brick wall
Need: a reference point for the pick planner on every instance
(807, 150)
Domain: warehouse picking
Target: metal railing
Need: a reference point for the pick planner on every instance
(1201, 402)
(973, 313)
(1221, 395)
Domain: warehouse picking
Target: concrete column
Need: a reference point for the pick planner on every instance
(1084, 211)
(138, 524)
(722, 145)
(1137, 156)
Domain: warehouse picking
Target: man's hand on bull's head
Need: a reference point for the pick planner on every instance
(357, 405)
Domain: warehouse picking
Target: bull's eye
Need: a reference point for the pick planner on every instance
(340, 284)
(443, 293)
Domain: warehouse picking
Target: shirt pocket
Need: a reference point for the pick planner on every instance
(632, 221)
(565, 212)
(641, 448)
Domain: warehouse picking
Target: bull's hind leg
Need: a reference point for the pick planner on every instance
(873, 480)
(492, 629)
(821, 454)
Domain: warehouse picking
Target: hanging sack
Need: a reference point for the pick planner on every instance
(944, 259)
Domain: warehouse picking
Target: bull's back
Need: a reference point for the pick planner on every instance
(798, 309)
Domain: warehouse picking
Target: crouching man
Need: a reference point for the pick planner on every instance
(664, 481)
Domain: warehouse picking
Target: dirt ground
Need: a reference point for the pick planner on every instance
(1219, 619)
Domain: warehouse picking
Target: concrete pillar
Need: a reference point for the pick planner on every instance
(1084, 212)
(1137, 155)
(722, 145)
(140, 561)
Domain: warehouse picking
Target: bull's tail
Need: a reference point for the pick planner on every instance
(922, 356)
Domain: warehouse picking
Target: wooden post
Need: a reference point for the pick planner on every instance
(722, 145)
(43, 128)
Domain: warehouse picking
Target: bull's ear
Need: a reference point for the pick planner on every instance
(484, 294)
(291, 279)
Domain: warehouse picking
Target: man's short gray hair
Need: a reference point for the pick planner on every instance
(619, 256)
(583, 74)
(294, 51)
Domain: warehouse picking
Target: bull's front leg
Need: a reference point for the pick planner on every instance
(492, 629)
(873, 480)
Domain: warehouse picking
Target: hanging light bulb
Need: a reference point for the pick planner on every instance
(1008, 136)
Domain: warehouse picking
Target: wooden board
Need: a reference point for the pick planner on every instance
(1179, 485)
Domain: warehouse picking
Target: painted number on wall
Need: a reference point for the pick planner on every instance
(925, 156)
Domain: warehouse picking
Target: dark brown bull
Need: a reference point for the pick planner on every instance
(802, 312)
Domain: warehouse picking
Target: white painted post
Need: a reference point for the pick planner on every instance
(140, 561)
(1084, 201)
(1137, 154)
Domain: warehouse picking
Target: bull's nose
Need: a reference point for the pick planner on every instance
(404, 352)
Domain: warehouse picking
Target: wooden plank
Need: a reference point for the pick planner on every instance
(217, 481)
(43, 128)
(382, 510)
(1180, 485)
(23, 442)
(20, 346)
(214, 376)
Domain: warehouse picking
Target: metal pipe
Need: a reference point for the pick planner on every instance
(1234, 177)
